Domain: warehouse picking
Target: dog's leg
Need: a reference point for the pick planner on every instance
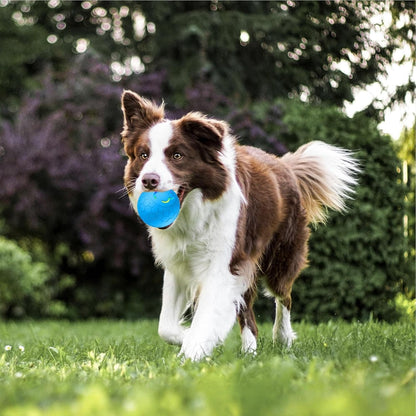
(214, 317)
(248, 325)
(282, 329)
(282, 266)
(173, 307)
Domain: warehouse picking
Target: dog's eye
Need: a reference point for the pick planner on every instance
(177, 156)
(144, 156)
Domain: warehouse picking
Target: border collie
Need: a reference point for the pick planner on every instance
(244, 216)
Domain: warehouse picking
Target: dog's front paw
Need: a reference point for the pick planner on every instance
(195, 350)
(172, 335)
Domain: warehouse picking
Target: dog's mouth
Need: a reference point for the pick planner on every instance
(182, 192)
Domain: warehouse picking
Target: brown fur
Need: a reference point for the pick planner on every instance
(272, 231)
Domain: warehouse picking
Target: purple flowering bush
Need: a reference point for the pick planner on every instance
(61, 183)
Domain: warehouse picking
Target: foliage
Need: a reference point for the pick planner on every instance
(296, 46)
(33, 37)
(318, 50)
(24, 283)
(108, 368)
(406, 152)
(402, 34)
(406, 307)
(23, 48)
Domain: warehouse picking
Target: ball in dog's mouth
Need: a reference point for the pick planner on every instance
(159, 209)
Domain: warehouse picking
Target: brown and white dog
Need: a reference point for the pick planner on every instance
(244, 216)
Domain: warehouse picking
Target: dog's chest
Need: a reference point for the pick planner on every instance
(182, 257)
(200, 242)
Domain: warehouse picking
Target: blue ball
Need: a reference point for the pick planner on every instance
(158, 209)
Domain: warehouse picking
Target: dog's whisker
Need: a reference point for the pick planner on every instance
(121, 190)
(127, 189)
(123, 195)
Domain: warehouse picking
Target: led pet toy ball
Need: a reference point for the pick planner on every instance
(158, 209)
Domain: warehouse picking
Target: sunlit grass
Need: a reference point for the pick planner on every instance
(108, 368)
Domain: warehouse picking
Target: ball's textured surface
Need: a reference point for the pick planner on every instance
(158, 209)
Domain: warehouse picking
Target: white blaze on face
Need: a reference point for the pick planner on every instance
(159, 137)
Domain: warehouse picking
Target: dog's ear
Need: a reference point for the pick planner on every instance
(139, 113)
(207, 131)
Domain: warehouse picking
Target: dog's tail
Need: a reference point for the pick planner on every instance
(326, 175)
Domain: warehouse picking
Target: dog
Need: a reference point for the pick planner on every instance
(244, 217)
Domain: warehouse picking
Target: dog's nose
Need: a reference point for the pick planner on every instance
(150, 180)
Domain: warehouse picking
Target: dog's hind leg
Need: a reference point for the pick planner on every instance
(282, 328)
(286, 257)
(247, 322)
(279, 282)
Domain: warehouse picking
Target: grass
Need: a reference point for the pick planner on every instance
(123, 368)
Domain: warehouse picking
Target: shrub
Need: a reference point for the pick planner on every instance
(24, 283)
(356, 260)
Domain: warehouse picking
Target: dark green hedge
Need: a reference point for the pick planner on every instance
(356, 261)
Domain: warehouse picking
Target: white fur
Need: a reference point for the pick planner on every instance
(159, 136)
(338, 167)
(282, 329)
(173, 308)
(228, 159)
(195, 252)
(249, 341)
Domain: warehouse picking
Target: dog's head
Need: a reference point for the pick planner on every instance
(181, 155)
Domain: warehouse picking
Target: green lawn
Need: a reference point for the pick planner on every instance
(123, 368)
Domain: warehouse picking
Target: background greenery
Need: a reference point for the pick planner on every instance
(278, 72)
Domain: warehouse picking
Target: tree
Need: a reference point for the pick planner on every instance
(23, 48)
(37, 35)
(403, 37)
(295, 46)
(318, 51)
(406, 152)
